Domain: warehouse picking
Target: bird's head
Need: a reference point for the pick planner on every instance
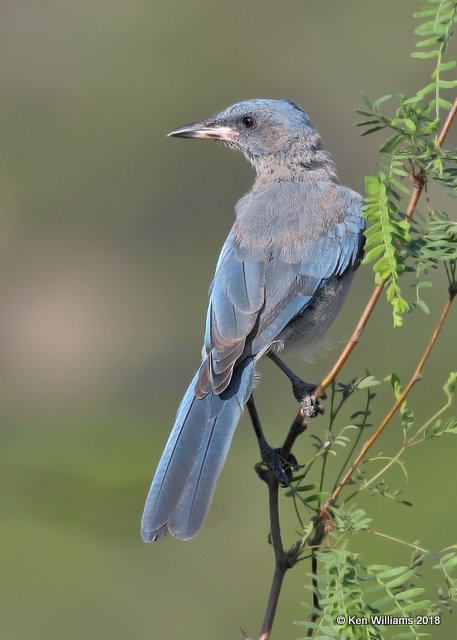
(259, 128)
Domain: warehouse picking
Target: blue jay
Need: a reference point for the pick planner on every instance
(281, 278)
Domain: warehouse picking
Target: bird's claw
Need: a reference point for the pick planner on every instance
(311, 406)
(281, 468)
(308, 398)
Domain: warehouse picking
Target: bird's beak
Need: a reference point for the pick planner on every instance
(206, 130)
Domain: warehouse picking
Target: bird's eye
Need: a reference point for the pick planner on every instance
(249, 122)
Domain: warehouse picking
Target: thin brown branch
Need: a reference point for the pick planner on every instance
(284, 560)
(419, 183)
(417, 375)
(448, 124)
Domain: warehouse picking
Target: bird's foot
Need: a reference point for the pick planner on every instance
(304, 392)
(308, 399)
(281, 468)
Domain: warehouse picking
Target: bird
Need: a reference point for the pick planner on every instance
(280, 280)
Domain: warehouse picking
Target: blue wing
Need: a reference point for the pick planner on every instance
(256, 293)
(236, 299)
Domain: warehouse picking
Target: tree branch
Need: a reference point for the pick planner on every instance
(284, 560)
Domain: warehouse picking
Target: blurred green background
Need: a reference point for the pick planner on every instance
(109, 233)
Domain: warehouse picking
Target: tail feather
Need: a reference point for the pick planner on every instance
(194, 503)
(177, 460)
(185, 480)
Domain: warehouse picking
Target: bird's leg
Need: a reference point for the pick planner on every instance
(303, 391)
(281, 469)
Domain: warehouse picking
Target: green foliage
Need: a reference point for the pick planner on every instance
(340, 591)
(440, 427)
(434, 245)
(383, 238)
(385, 490)
(400, 597)
(356, 601)
(343, 588)
(439, 243)
(407, 414)
(448, 565)
(450, 386)
(412, 152)
(436, 426)
(436, 32)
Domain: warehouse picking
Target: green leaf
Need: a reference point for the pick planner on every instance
(391, 143)
(317, 497)
(447, 84)
(430, 88)
(366, 99)
(400, 305)
(410, 608)
(392, 572)
(402, 579)
(409, 124)
(369, 381)
(424, 284)
(422, 305)
(381, 100)
(374, 238)
(373, 130)
(410, 593)
(395, 382)
(426, 28)
(306, 487)
(427, 43)
(438, 428)
(449, 561)
(450, 386)
(424, 13)
(373, 254)
(444, 66)
(445, 104)
(425, 54)
(365, 113)
(365, 123)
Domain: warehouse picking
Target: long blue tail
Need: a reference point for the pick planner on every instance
(185, 479)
